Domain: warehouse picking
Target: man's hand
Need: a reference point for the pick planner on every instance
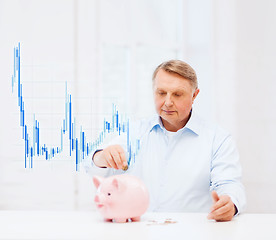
(223, 208)
(111, 157)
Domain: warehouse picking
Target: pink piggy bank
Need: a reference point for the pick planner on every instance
(121, 197)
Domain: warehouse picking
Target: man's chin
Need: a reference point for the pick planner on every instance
(167, 119)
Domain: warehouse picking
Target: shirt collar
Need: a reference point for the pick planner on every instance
(194, 124)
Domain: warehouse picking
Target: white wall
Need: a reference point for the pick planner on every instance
(256, 115)
(245, 82)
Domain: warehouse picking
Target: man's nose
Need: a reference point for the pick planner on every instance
(168, 101)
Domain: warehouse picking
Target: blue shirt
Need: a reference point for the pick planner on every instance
(181, 168)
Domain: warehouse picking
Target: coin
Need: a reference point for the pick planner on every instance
(125, 168)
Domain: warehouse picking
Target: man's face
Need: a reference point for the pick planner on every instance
(173, 98)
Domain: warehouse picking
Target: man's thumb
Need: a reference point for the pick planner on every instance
(215, 196)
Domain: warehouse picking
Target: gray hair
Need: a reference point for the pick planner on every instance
(178, 67)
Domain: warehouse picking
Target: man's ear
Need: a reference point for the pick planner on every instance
(196, 92)
(97, 181)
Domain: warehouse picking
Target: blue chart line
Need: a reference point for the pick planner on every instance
(78, 147)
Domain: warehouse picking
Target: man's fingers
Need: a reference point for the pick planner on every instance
(111, 157)
(114, 156)
(222, 210)
(107, 159)
(226, 216)
(215, 196)
(221, 202)
(108, 165)
(123, 160)
(110, 161)
(119, 157)
(120, 153)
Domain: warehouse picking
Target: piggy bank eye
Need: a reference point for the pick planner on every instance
(108, 194)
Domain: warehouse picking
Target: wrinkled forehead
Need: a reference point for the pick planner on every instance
(164, 79)
(170, 85)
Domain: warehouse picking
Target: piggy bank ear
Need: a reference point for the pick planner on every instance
(97, 181)
(118, 184)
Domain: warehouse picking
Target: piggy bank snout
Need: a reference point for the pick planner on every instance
(96, 199)
(99, 202)
(99, 199)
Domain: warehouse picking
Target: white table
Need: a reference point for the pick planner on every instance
(90, 225)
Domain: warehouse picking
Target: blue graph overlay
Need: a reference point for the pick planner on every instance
(79, 147)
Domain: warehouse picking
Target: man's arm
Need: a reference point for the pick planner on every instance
(228, 192)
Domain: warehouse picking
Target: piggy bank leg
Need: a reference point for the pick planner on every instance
(135, 219)
(108, 220)
(120, 220)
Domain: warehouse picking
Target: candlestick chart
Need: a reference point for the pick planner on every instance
(77, 145)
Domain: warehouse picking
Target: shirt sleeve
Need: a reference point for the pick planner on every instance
(226, 171)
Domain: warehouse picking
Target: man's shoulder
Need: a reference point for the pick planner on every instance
(142, 126)
(144, 123)
(215, 133)
(209, 126)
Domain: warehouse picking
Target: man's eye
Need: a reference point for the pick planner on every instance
(162, 93)
(177, 94)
